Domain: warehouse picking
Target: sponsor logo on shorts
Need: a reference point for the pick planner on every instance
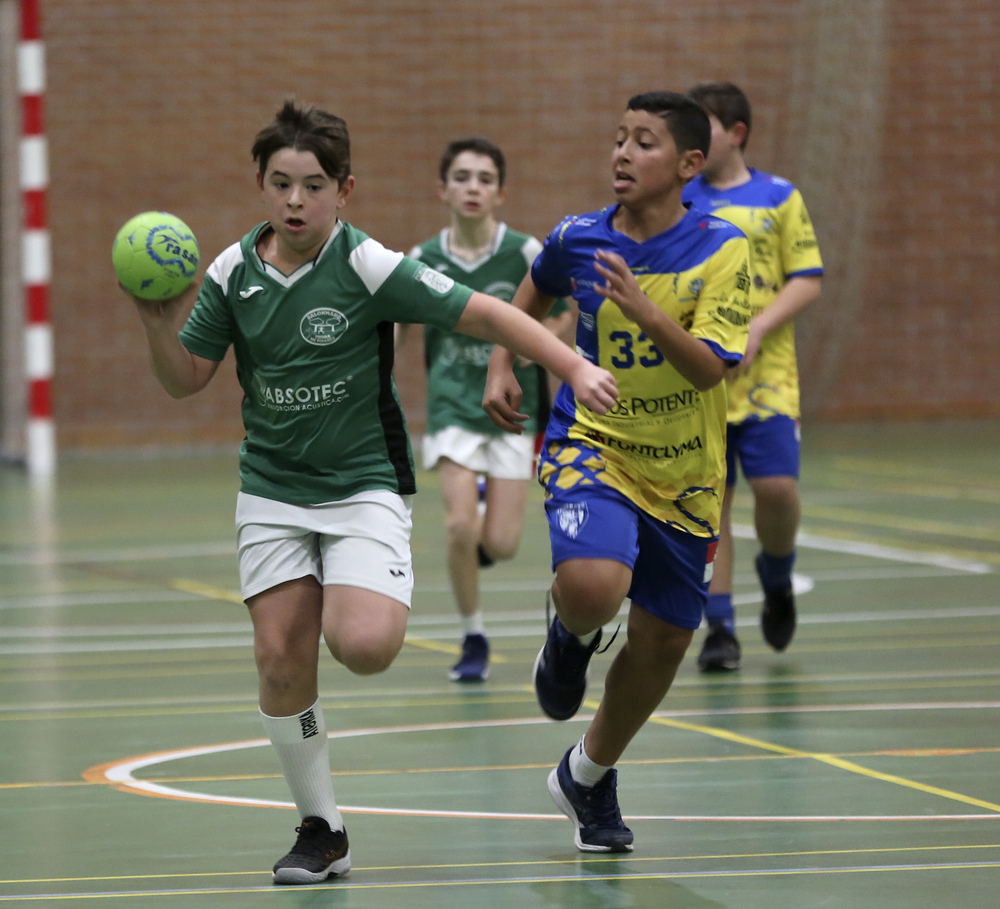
(308, 723)
(323, 326)
(572, 518)
(397, 572)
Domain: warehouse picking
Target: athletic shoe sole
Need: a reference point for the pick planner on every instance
(566, 807)
(301, 876)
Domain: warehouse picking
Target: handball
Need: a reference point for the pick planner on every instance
(155, 255)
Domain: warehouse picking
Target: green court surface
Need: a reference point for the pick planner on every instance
(858, 769)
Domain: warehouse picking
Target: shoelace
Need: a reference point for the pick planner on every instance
(601, 804)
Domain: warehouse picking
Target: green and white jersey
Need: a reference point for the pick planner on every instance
(314, 356)
(456, 364)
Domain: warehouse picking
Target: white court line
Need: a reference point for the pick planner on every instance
(806, 540)
(121, 775)
(195, 636)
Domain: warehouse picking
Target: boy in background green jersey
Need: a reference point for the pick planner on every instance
(308, 304)
(461, 441)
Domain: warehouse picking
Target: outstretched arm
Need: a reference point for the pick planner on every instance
(179, 371)
(503, 394)
(506, 325)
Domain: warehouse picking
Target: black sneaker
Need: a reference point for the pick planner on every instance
(777, 618)
(561, 672)
(594, 810)
(720, 652)
(474, 666)
(319, 853)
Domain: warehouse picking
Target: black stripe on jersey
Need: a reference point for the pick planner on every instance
(390, 414)
(544, 398)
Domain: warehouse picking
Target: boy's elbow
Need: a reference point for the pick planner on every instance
(711, 376)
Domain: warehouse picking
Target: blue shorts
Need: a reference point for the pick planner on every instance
(670, 568)
(766, 448)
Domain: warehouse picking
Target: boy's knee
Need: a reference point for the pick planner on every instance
(461, 529)
(588, 597)
(364, 655)
(500, 547)
(282, 672)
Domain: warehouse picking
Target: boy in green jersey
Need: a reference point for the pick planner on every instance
(461, 441)
(308, 303)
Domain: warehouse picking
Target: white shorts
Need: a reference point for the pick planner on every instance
(503, 457)
(362, 541)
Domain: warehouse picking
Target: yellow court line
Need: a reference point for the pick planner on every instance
(231, 596)
(979, 494)
(348, 885)
(914, 525)
(830, 759)
(205, 590)
(494, 768)
(897, 469)
(526, 863)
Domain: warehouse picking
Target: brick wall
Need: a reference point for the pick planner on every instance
(884, 113)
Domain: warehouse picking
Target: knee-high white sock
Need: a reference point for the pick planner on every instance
(583, 769)
(304, 755)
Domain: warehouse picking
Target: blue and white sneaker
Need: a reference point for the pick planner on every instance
(594, 810)
(474, 665)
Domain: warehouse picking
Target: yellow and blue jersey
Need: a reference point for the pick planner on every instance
(770, 211)
(662, 444)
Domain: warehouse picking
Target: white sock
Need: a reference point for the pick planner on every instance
(304, 755)
(587, 638)
(473, 624)
(583, 769)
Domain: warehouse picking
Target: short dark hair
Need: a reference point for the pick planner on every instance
(686, 122)
(726, 102)
(476, 144)
(306, 129)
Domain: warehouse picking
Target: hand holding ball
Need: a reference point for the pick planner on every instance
(155, 255)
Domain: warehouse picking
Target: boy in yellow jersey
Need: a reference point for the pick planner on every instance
(633, 496)
(763, 418)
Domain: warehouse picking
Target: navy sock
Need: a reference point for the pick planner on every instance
(719, 611)
(775, 571)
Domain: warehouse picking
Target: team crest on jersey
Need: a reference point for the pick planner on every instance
(323, 326)
(502, 289)
(434, 279)
(572, 518)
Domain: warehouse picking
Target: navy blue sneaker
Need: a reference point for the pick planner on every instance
(777, 618)
(594, 810)
(720, 652)
(561, 671)
(319, 853)
(474, 666)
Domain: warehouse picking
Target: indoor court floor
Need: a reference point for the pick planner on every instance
(858, 769)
